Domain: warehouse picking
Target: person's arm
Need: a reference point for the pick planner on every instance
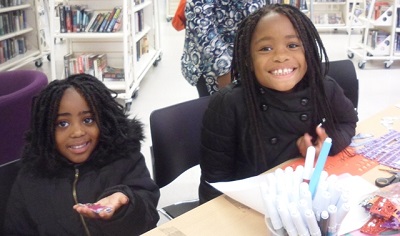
(17, 221)
(218, 146)
(139, 214)
(346, 123)
(347, 118)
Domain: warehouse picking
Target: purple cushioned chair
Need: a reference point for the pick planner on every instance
(17, 88)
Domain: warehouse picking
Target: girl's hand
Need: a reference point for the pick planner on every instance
(306, 140)
(111, 204)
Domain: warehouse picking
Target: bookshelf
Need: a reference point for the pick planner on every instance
(20, 42)
(381, 35)
(120, 54)
(335, 14)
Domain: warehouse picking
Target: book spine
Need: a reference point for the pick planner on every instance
(109, 19)
(63, 25)
(114, 19)
(68, 18)
(103, 24)
(118, 24)
(67, 69)
(93, 27)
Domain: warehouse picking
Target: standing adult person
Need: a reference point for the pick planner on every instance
(210, 32)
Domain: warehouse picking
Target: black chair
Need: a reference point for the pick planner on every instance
(343, 71)
(8, 173)
(175, 134)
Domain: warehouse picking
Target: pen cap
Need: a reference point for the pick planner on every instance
(332, 210)
(312, 223)
(298, 221)
(309, 163)
(323, 223)
(269, 201)
(280, 181)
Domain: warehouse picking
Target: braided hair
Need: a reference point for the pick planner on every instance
(118, 134)
(315, 54)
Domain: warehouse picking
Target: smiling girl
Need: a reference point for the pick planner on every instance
(279, 95)
(82, 173)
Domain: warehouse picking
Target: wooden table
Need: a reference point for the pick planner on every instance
(224, 216)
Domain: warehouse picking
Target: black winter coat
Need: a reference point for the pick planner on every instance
(42, 206)
(286, 117)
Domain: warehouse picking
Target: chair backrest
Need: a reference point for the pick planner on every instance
(8, 173)
(343, 71)
(175, 135)
(17, 88)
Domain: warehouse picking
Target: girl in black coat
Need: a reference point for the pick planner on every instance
(280, 93)
(82, 173)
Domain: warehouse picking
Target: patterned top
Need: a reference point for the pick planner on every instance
(210, 32)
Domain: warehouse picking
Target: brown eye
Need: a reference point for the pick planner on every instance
(62, 124)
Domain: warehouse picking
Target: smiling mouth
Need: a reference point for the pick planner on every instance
(284, 71)
(79, 148)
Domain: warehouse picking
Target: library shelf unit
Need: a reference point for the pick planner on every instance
(20, 42)
(334, 14)
(381, 35)
(139, 21)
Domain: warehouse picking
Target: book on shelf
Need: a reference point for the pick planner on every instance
(118, 23)
(108, 21)
(137, 2)
(68, 18)
(103, 23)
(67, 69)
(380, 8)
(113, 74)
(99, 64)
(78, 18)
(142, 47)
(12, 21)
(21, 45)
(139, 21)
(61, 14)
(89, 63)
(97, 22)
(12, 47)
(114, 19)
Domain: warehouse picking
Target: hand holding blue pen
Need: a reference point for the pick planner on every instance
(323, 155)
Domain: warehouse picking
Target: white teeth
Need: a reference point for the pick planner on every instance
(282, 71)
(79, 146)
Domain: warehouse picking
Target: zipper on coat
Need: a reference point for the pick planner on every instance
(76, 201)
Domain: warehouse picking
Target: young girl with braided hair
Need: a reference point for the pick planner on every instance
(279, 96)
(82, 171)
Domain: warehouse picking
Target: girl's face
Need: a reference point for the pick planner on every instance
(77, 133)
(278, 58)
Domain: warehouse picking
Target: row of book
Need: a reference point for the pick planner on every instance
(375, 37)
(12, 21)
(93, 64)
(328, 18)
(301, 4)
(10, 3)
(12, 47)
(378, 9)
(78, 18)
(137, 2)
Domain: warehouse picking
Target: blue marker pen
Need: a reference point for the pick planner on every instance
(323, 155)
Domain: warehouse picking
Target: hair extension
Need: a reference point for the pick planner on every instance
(118, 134)
(315, 54)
